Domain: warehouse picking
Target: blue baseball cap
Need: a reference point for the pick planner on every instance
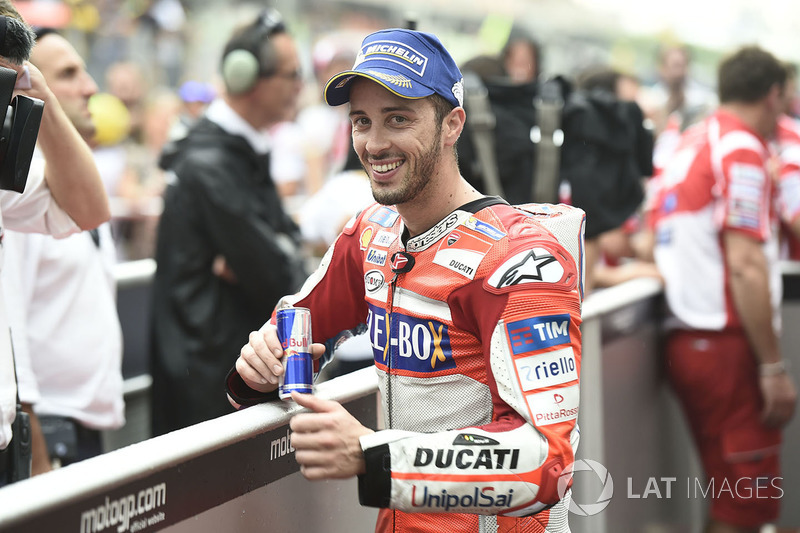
(410, 64)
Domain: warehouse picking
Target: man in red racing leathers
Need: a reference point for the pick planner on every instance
(473, 311)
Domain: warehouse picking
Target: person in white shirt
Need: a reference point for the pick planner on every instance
(66, 331)
(63, 195)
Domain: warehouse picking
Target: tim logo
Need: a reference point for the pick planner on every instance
(409, 343)
(539, 332)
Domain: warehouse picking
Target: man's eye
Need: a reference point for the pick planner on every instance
(399, 119)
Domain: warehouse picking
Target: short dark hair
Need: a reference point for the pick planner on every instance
(17, 37)
(748, 75)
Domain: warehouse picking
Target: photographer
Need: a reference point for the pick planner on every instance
(62, 196)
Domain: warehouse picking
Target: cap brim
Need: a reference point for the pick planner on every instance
(337, 90)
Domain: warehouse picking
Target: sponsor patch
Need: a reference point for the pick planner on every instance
(373, 280)
(435, 497)
(384, 217)
(790, 195)
(468, 458)
(462, 253)
(376, 257)
(547, 369)
(554, 406)
(422, 242)
(417, 345)
(484, 227)
(394, 52)
(745, 174)
(539, 332)
(467, 439)
(535, 265)
(364, 239)
(384, 239)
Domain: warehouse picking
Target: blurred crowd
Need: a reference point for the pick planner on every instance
(149, 93)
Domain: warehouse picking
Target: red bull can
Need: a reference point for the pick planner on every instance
(294, 332)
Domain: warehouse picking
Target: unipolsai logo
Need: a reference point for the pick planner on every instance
(591, 469)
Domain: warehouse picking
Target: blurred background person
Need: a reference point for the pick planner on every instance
(522, 58)
(63, 293)
(723, 353)
(226, 249)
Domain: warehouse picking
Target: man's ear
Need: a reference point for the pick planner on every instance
(453, 125)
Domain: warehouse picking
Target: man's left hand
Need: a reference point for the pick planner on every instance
(326, 441)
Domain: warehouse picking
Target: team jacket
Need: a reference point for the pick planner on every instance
(474, 326)
(718, 180)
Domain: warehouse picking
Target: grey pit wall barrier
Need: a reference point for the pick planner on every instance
(233, 473)
(134, 286)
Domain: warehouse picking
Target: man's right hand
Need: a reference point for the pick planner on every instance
(780, 396)
(259, 363)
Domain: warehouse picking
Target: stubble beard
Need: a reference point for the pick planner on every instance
(413, 183)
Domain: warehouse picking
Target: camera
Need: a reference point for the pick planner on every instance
(20, 118)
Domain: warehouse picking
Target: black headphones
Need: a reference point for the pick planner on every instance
(241, 64)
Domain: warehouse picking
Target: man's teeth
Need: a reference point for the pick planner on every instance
(385, 168)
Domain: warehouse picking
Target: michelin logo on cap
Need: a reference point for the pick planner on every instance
(410, 64)
(395, 52)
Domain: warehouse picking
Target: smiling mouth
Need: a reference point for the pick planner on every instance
(387, 167)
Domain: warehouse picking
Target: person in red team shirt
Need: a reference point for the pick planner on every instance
(473, 310)
(716, 246)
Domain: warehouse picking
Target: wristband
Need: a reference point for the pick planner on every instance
(772, 369)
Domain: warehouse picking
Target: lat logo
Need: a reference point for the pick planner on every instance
(536, 265)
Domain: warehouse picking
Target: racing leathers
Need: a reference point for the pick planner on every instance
(474, 326)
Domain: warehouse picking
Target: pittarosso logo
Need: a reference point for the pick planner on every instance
(121, 512)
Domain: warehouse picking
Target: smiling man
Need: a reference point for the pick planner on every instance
(466, 300)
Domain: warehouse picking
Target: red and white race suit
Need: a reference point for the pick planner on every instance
(474, 327)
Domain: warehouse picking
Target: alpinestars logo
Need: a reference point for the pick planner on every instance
(527, 267)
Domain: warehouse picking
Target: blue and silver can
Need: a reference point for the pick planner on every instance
(294, 332)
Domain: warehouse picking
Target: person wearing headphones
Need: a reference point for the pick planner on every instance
(226, 249)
